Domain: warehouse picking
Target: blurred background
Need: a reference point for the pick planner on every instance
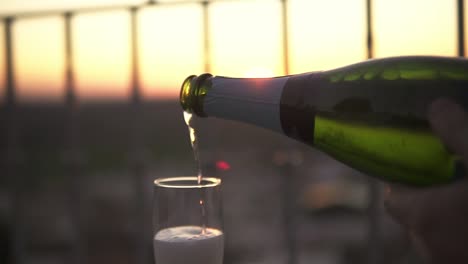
(89, 118)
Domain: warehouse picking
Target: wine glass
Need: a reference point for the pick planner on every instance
(187, 221)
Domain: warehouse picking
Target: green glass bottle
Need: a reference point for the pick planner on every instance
(370, 115)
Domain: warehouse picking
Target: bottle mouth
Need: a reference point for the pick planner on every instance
(192, 92)
(186, 94)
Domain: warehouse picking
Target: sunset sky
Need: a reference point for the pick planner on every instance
(245, 41)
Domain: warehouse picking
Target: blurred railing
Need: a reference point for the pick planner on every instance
(72, 157)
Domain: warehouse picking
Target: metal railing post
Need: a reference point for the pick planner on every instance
(72, 155)
(370, 40)
(374, 243)
(13, 152)
(287, 170)
(134, 60)
(206, 36)
(461, 27)
(142, 235)
(285, 34)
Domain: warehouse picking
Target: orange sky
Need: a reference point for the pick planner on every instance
(245, 40)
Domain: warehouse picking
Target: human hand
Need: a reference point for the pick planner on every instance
(436, 218)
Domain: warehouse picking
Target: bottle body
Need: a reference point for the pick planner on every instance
(370, 115)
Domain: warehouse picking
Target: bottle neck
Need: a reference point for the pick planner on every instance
(249, 100)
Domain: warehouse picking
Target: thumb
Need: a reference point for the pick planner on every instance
(450, 122)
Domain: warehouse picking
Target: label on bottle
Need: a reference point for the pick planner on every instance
(250, 100)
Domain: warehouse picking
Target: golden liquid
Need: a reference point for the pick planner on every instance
(188, 117)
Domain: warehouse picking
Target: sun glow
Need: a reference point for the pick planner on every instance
(171, 45)
(259, 72)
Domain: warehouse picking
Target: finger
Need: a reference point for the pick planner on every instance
(420, 209)
(450, 122)
(411, 206)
